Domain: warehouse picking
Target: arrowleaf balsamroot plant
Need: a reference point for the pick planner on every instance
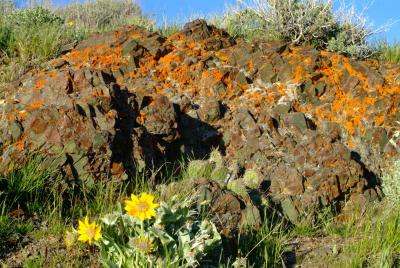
(88, 232)
(69, 239)
(149, 235)
(142, 207)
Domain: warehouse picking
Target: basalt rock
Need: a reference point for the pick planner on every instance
(310, 128)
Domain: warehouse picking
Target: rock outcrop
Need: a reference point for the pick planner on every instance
(314, 127)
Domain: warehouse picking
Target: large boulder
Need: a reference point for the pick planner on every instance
(315, 128)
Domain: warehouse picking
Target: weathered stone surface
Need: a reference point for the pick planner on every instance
(225, 207)
(210, 111)
(314, 125)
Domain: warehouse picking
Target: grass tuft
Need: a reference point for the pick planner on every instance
(391, 53)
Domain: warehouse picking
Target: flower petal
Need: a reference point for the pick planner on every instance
(134, 198)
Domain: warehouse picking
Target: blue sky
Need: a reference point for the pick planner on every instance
(379, 12)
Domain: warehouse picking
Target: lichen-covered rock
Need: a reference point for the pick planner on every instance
(316, 127)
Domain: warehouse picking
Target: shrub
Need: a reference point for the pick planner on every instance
(5, 35)
(101, 15)
(295, 21)
(245, 24)
(391, 183)
(37, 16)
(37, 42)
(354, 30)
(35, 35)
(342, 43)
(7, 6)
(312, 22)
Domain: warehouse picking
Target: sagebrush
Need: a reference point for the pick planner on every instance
(312, 22)
(391, 183)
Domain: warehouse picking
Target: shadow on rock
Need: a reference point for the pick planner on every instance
(198, 138)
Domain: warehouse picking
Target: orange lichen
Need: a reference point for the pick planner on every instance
(111, 114)
(21, 115)
(352, 108)
(222, 56)
(40, 84)
(141, 117)
(20, 143)
(307, 61)
(350, 143)
(369, 101)
(98, 57)
(136, 36)
(183, 74)
(298, 74)
(117, 168)
(392, 111)
(53, 75)
(171, 57)
(212, 77)
(379, 119)
(35, 105)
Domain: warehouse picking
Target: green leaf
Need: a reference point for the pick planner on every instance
(111, 219)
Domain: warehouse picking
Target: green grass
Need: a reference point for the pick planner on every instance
(169, 28)
(9, 227)
(5, 34)
(380, 240)
(38, 43)
(35, 263)
(26, 184)
(30, 45)
(30, 37)
(41, 194)
(391, 53)
(104, 15)
(372, 241)
(264, 247)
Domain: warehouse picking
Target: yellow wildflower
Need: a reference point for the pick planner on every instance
(142, 208)
(204, 202)
(71, 23)
(89, 231)
(142, 244)
(69, 239)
